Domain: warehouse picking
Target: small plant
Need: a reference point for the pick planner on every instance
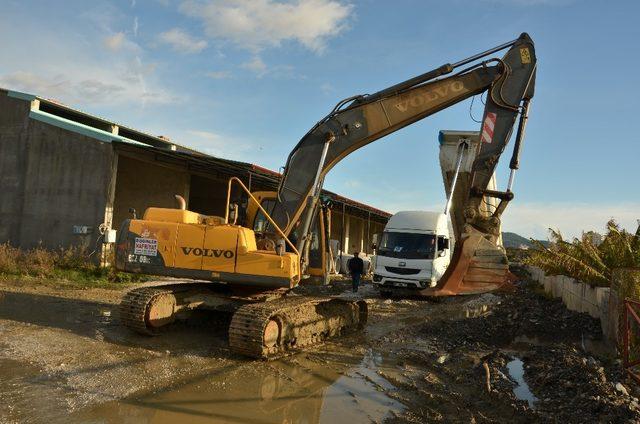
(585, 260)
(64, 266)
(9, 259)
(74, 257)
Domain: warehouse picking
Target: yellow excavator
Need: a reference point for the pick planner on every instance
(248, 270)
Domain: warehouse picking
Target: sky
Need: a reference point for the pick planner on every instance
(245, 80)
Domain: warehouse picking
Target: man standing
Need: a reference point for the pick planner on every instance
(356, 268)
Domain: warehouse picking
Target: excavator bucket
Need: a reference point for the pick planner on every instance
(478, 265)
(479, 262)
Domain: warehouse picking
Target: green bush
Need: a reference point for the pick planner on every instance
(585, 261)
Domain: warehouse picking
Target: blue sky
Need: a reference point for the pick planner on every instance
(246, 79)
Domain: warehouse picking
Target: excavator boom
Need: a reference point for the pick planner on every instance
(360, 120)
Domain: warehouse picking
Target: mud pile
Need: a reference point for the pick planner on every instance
(470, 366)
(522, 312)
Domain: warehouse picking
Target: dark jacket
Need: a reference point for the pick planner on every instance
(356, 265)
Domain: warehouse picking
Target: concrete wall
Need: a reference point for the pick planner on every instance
(576, 296)
(357, 234)
(51, 180)
(208, 196)
(141, 184)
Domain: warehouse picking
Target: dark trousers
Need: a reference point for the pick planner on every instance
(355, 281)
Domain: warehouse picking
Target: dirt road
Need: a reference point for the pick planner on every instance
(65, 358)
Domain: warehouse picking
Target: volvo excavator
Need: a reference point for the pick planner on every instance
(247, 271)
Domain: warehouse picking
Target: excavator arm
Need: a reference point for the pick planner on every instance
(360, 120)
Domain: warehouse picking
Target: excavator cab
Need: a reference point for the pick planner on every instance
(317, 254)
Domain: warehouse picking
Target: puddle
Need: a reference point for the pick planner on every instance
(315, 388)
(23, 389)
(522, 391)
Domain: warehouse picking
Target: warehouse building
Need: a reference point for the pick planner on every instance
(66, 176)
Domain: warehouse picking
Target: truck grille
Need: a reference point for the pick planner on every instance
(402, 271)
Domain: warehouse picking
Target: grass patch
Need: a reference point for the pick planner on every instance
(70, 267)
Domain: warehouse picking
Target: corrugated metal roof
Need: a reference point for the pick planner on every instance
(79, 128)
(43, 103)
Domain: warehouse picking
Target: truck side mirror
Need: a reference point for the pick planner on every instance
(443, 243)
(374, 241)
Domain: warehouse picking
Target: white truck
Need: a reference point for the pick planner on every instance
(413, 251)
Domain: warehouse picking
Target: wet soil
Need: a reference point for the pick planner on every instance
(65, 358)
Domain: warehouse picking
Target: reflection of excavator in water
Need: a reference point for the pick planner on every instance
(250, 270)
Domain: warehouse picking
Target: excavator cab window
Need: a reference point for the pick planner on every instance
(261, 223)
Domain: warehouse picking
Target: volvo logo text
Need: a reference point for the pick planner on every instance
(431, 96)
(209, 253)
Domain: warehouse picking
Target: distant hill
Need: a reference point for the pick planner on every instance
(516, 241)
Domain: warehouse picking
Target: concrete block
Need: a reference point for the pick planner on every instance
(571, 294)
(590, 303)
(602, 297)
(549, 282)
(548, 286)
(592, 310)
(557, 286)
(610, 329)
(604, 294)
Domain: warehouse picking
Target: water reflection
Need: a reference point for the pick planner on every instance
(522, 391)
(326, 387)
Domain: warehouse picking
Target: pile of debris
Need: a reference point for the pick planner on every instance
(524, 355)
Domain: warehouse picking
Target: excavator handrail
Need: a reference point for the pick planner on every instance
(266, 214)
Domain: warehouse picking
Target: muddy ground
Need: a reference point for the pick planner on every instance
(65, 358)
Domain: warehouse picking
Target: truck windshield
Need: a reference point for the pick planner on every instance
(407, 245)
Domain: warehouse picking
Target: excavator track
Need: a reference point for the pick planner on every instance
(137, 308)
(276, 328)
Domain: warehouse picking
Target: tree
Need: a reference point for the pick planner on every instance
(585, 261)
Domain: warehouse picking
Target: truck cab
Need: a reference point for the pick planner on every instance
(413, 252)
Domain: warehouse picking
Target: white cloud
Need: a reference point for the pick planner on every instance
(74, 88)
(219, 145)
(352, 184)
(256, 65)
(259, 24)
(136, 26)
(55, 63)
(182, 42)
(327, 88)
(218, 74)
(534, 219)
(115, 41)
